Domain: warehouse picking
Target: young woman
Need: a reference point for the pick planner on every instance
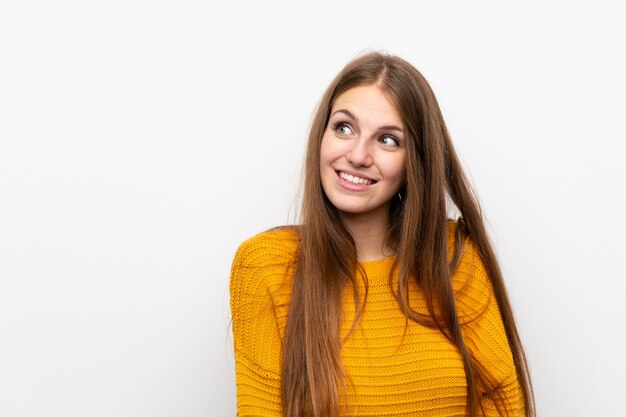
(377, 304)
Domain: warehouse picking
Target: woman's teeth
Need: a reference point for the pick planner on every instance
(353, 179)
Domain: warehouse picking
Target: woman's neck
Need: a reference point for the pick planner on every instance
(369, 232)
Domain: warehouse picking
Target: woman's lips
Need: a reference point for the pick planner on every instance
(354, 179)
(353, 182)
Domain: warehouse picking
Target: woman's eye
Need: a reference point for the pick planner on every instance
(343, 129)
(389, 140)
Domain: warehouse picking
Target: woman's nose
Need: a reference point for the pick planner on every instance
(359, 154)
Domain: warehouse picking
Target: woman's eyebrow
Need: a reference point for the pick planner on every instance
(356, 119)
(391, 127)
(347, 113)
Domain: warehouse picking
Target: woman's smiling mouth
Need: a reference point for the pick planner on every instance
(354, 179)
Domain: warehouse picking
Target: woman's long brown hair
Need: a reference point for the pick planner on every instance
(312, 371)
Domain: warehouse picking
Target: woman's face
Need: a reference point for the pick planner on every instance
(363, 152)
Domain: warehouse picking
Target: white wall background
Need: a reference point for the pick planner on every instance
(142, 141)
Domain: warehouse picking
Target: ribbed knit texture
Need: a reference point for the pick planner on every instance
(420, 374)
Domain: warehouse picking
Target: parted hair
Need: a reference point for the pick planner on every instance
(312, 372)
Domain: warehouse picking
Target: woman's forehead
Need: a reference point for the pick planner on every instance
(367, 104)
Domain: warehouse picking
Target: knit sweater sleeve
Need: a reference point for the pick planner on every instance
(484, 332)
(258, 268)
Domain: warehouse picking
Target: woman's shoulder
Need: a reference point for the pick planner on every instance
(262, 265)
(470, 258)
(470, 280)
(274, 246)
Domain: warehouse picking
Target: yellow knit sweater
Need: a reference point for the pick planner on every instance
(418, 375)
